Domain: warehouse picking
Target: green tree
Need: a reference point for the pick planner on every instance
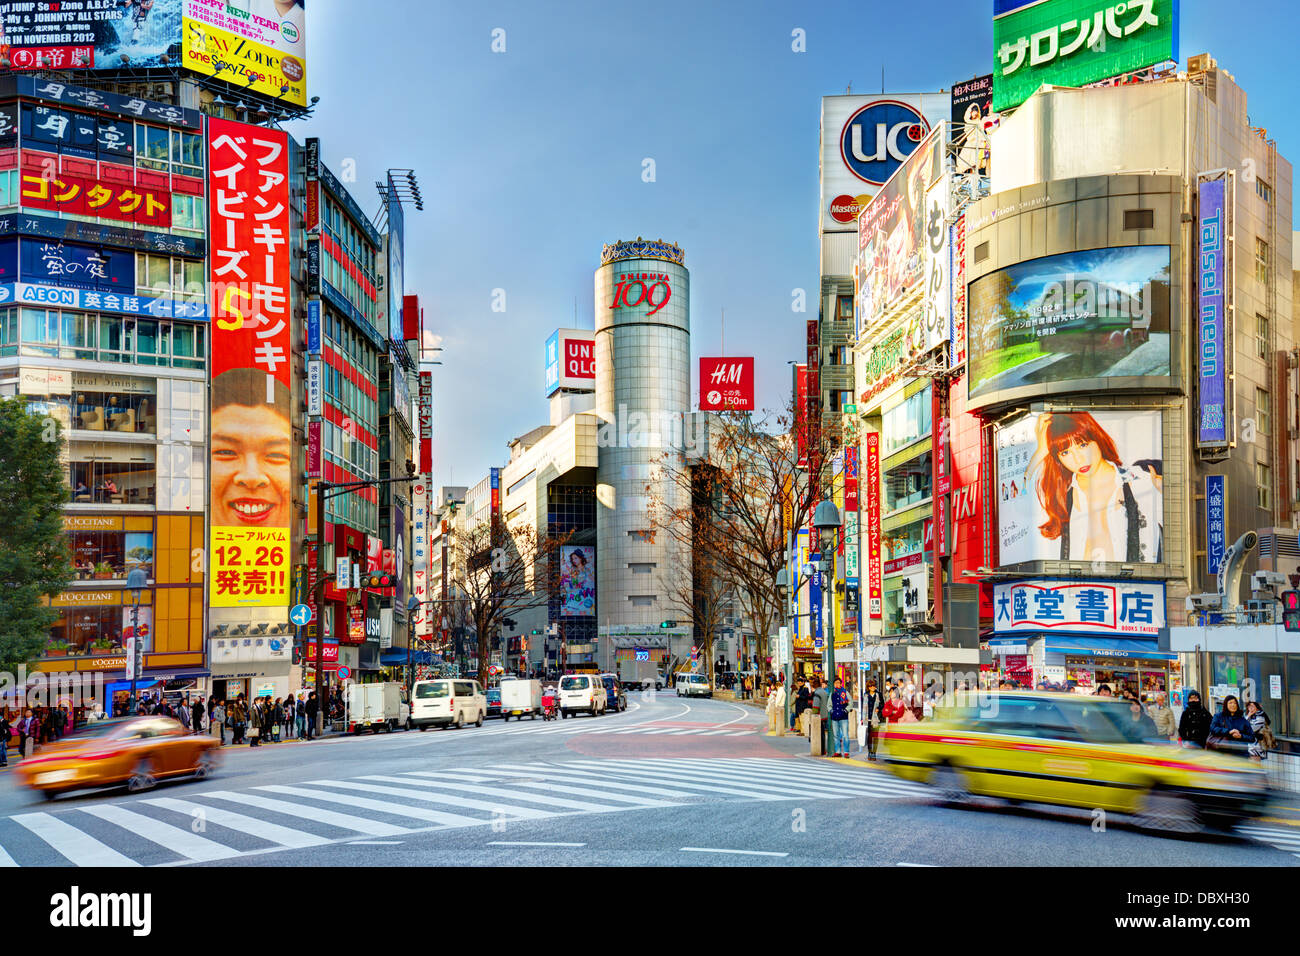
(34, 560)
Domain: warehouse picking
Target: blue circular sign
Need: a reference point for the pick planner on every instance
(878, 137)
(300, 615)
(345, 672)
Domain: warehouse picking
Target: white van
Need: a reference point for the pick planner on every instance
(582, 692)
(447, 702)
(693, 685)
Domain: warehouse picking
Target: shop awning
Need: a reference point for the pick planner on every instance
(1102, 647)
(396, 657)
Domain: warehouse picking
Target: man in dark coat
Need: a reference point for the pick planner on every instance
(313, 707)
(1194, 726)
(196, 716)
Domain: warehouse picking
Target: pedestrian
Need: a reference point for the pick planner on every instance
(28, 728)
(6, 735)
(197, 710)
(776, 706)
(872, 701)
(820, 707)
(1261, 725)
(1103, 690)
(183, 713)
(300, 713)
(255, 723)
(313, 708)
(217, 720)
(1230, 730)
(839, 720)
(288, 717)
(1163, 717)
(1139, 726)
(239, 720)
(801, 698)
(1194, 726)
(275, 714)
(893, 709)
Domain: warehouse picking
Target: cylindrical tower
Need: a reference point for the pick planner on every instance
(643, 385)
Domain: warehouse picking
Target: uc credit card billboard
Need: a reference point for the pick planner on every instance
(251, 472)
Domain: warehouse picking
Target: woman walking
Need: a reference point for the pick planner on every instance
(1261, 725)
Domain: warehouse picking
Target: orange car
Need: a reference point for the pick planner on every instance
(137, 751)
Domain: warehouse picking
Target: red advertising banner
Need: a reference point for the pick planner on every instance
(251, 468)
(959, 293)
(727, 384)
(87, 196)
(410, 318)
(874, 584)
(942, 466)
(426, 423)
(801, 413)
(851, 478)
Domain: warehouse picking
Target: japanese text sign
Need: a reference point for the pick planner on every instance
(1080, 607)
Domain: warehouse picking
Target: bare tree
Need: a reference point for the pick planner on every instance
(702, 596)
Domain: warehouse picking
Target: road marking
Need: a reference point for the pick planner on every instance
(365, 803)
(374, 843)
(585, 776)
(639, 772)
(182, 842)
(6, 859)
(251, 826)
(507, 795)
(430, 796)
(531, 843)
(914, 864)
(343, 821)
(761, 775)
(711, 849)
(683, 774)
(80, 848)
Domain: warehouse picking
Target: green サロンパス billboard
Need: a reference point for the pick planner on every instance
(1076, 42)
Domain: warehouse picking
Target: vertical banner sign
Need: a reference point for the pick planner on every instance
(251, 477)
(426, 423)
(420, 556)
(1213, 429)
(874, 598)
(849, 540)
(801, 413)
(313, 327)
(314, 386)
(813, 417)
(313, 449)
(495, 474)
(1216, 522)
(958, 356)
(942, 467)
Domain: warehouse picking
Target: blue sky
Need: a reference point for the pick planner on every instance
(530, 160)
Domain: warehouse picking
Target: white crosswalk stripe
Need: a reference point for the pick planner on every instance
(328, 811)
(1288, 842)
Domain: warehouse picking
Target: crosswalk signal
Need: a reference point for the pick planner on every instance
(667, 624)
(376, 579)
(1291, 611)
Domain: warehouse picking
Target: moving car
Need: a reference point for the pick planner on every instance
(582, 692)
(136, 751)
(448, 702)
(494, 701)
(371, 706)
(615, 698)
(1073, 751)
(693, 685)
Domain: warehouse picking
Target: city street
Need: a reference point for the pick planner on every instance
(668, 783)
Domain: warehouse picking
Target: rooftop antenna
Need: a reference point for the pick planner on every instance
(724, 331)
(882, 79)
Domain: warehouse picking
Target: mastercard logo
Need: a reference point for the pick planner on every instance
(846, 208)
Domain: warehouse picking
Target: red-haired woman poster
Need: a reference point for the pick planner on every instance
(1096, 506)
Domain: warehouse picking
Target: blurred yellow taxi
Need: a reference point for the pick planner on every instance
(136, 751)
(1073, 751)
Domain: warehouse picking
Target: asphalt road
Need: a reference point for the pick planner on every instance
(670, 782)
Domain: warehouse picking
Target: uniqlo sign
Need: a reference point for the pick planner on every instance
(249, 284)
(727, 384)
(426, 423)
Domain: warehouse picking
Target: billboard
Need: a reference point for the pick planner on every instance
(426, 423)
(1216, 522)
(1212, 377)
(874, 570)
(1076, 42)
(972, 120)
(66, 192)
(897, 232)
(577, 581)
(727, 384)
(396, 281)
(90, 36)
(1081, 486)
(257, 44)
(252, 441)
(1104, 608)
(420, 540)
(957, 245)
(570, 360)
(864, 139)
(1100, 313)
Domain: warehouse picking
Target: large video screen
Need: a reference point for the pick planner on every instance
(1081, 486)
(1101, 313)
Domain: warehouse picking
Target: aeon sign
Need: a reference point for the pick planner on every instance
(878, 137)
(650, 289)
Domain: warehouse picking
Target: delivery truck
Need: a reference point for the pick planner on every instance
(521, 697)
(372, 706)
(640, 674)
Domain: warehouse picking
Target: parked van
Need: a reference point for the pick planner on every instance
(447, 702)
(582, 692)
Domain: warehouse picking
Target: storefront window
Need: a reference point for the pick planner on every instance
(115, 475)
(1229, 669)
(906, 422)
(151, 144)
(909, 483)
(103, 555)
(79, 629)
(112, 411)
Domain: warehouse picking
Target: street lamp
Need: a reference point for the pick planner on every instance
(826, 522)
(782, 595)
(136, 582)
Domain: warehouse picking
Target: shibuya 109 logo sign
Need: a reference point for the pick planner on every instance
(650, 289)
(878, 137)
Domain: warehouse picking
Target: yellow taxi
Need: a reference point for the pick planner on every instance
(136, 751)
(1073, 751)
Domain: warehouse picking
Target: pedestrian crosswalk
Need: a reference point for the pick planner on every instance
(1288, 841)
(187, 825)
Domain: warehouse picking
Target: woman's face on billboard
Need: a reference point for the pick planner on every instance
(1081, 458)
(251, 475)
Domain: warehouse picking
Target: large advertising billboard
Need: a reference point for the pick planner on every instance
(972, 121)
(903, 242)
(90, 35)
(1104, 608)
(1076, 42)
(864, 141)
(1081, 486)
(396, 256)
(252, 440)
(1212, 367)
(726, 384)
(570, 360)
(258, 44)
(577, 581)
(1101, 313)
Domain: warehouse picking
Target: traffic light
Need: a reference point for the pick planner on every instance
(509, 622)
(1291, 611)
(666, 624)
(375, 579)
(536, 631)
